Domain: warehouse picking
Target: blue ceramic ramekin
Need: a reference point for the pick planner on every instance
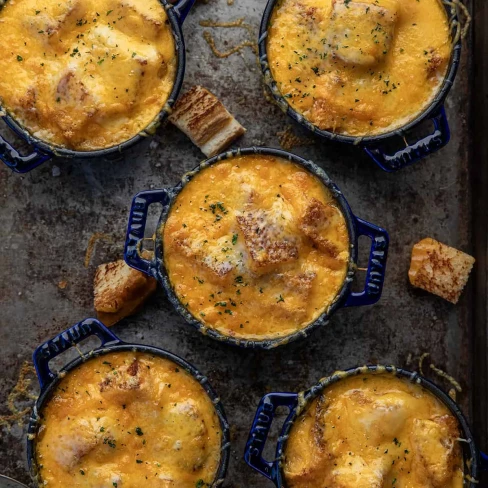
(377, 146)
(109, 343)
(44, 151)
(296, 403)
(356, 227)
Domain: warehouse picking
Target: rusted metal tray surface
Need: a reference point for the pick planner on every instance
(49, 216)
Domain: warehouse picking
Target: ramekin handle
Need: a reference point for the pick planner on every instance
(261, 426)
(182, 8)
(137, 227)
(416, 151)
(375, 275)
(484, 461)
(64, 341)
(21, 164)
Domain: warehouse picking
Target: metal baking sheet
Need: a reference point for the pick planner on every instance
(49, 216)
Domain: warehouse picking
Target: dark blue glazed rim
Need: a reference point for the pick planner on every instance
(376, 146)
(345, 298)
(109, 343)
(44, 151)
(296, 403)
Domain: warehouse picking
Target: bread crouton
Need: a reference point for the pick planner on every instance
(203, 118)
(435, 448)
(315, 221)
(120, 291)
(374, 28)
(300, 284)
(266, 242)
(439, 269)
(209, 253)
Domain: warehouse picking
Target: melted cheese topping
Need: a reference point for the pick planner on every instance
(359, 68)
(255, 247)
(374, 431)
(85, 74)
(128, 419)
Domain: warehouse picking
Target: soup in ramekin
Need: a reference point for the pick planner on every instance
(85, 75)
(127, 419)
(359, 68)
(256, 247)
(374, 430)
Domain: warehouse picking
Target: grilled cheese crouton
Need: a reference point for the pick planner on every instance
(266, 239)
(120, 291)
(314, 224)
(373, 32)
(203, 118)
(440, 269)
(437, 453)
(210, 254)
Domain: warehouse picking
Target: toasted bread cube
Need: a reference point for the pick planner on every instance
(314, 223)
(120, 291)
(268, 244)
(435, 449)
(440, 269)
(374, 28)
(203, 118)
(209, 253)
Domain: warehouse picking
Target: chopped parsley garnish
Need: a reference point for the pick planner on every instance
(139, 431)
(19, 58)
(110, 442)
(234, 239)
(280, 299)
